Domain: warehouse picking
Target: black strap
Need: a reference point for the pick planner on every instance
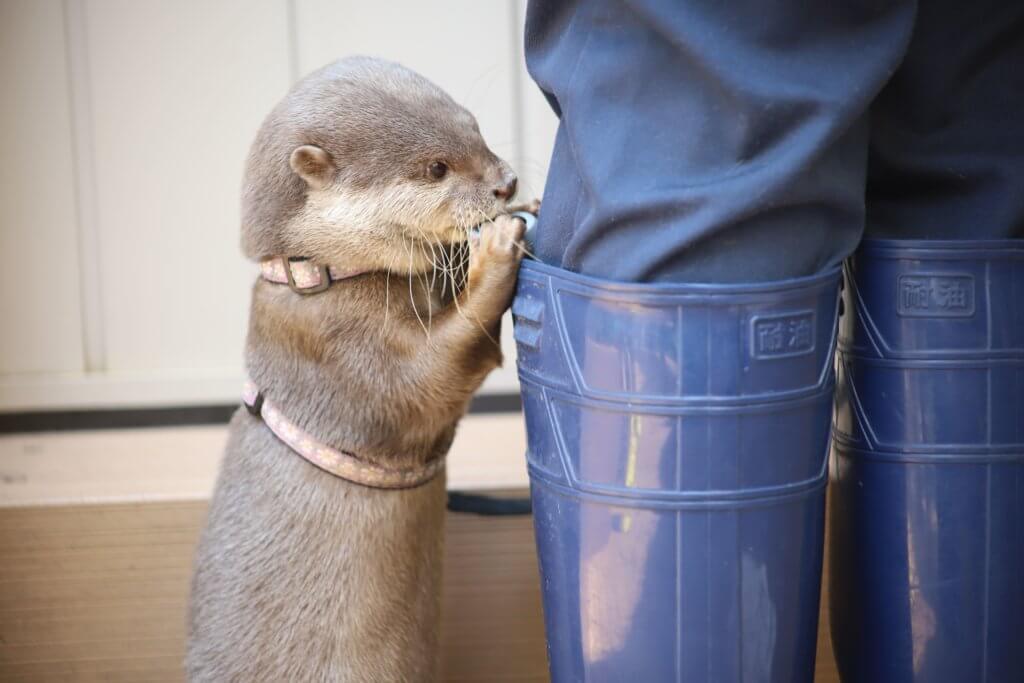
(489, 506)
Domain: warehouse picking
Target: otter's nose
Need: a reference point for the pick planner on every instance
(508, 190)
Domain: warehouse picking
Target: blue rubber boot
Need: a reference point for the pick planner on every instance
(926, 559)
(678, 440)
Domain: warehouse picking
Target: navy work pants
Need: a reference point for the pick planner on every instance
(751, 140)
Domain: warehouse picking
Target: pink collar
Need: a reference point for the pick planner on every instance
(302, 275)
(339, 463)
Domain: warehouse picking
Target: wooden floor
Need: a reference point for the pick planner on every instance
(97, 593)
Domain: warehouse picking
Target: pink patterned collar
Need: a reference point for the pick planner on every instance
(339, 463)
(302, 275)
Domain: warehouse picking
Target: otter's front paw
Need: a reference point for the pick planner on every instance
(500, 242)
(493, 264)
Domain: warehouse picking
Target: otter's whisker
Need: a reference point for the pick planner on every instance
(442, 264)
(450, 269)
(433, 276)
(429, 292)
(412, 299)
(387, 291)
(433, 265)
(446, 275)
(468, 252)
(432, 258)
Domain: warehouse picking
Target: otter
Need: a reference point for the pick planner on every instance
(369, 170)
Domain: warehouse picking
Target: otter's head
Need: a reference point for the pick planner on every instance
(367, 163)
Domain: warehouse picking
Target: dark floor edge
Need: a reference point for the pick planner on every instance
(178, 416)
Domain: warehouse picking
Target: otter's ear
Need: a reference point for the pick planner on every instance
(313, 165)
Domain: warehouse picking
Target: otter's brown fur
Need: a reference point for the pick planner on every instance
(302, 576)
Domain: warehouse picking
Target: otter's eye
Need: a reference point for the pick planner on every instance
(437, 170)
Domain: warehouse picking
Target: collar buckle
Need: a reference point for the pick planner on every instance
(322, 271)
(255, 407)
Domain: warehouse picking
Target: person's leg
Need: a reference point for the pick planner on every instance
(928, 466)
(946, 154)
(709, 154)
(708, 141)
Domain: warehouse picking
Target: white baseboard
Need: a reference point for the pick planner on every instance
(180, 463)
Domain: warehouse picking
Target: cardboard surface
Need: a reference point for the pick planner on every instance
(98, 593)
(97, 533)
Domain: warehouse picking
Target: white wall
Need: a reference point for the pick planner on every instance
(123, 131)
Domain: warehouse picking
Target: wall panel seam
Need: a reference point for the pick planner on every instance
(518, 93)
(87, 210)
